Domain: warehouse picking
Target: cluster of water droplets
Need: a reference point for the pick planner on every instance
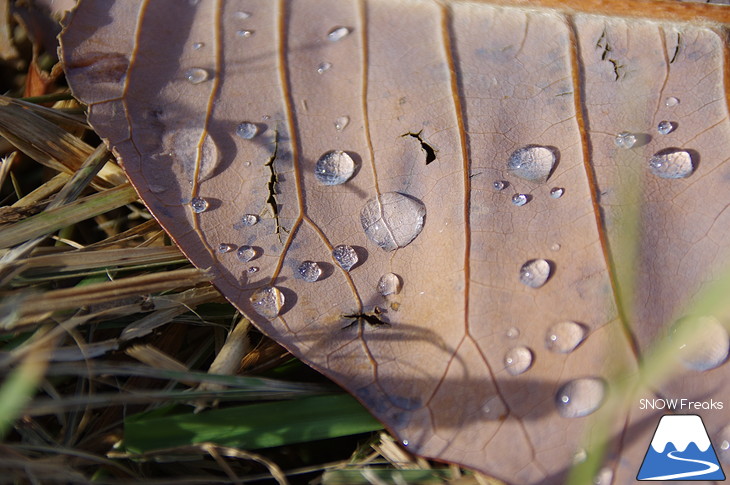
(533, 163)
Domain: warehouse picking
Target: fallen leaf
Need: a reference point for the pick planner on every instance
(259, 134)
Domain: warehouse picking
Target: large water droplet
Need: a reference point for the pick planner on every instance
(246, 253)
(334, 167)
(564, 337)
(196, 75)
(580, 397)
(532, 162)
(535, 273)
(671, 102)
(603, 477)
(517, 360)
(671, 163)
(520, 199)
(226, 248)
(324, 67)
(392, 220)
(389, 284)
(247, 130)
(494, 408)
(665, 127)
(345, 256)
(185, 147)
(267, 301)
(342, 122)
(199, 204)
(338, 33)
(709, 345)
(309, 271)
(625, 140)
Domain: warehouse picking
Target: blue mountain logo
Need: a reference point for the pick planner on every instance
(680, 450)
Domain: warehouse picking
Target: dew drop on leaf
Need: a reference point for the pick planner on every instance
(244, 33)
(499, 185)
(324, 67)
(309, 271)
(267, 301)
(625, 140)
(392, 220)
(494, 408)
(334, 167)
(580, 397)
(564, 337)
(665, 127)
(249, 220)
(196, 75)
(709, 346)
(557, 192)
(247, 130)
(246, 253)
(185, 147)
(342, 122)
(517, 360)
(389, 284)
(345, 256)
(198, 45)
(603, 477)
(242, 15)
(513, 332)
(671, 102)
(535, 273)
(532, 162)
(226, 248)
(723, 438)
(671, 163)
(253, 269)
(519, 199)
(199, 204)
(338, 33)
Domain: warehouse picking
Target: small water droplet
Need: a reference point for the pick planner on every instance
(198, 45)
(671, 102)
(267, 301)
(389, 284)
(392, 220)
(520, 199)
(342, 122)
(724, 438)
(244, 33)
(603, 477)
(494, 408)
(580, 397)
(532, 162)
(671, 163)
(513, 332)
(535, 273)
(242, 15)
(345, 256)
(226, 248)
(246, 253)
(665, 127)
(338, 33)
(625, 140)
(580, 456)
(199, 204)
(309, 271)
(253, 269)
(334, 167)
(247, 130)
(709, 346)
(499, 185)
(517, 360)
(196, 75)
(249, 220)
(324, 67)
(564, 337)
(405, 442)
(557, 192)
(555, 247)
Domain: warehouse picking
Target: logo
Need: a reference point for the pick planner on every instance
(680, 450)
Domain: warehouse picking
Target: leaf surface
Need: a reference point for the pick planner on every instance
(168, 85)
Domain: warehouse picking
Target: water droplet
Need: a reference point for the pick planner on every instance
(345, 256)
(580, 456)
(267, 301)
(247, 130)
(392, 220)
(246, 253)
(185, 147)
(671, 102)
(198, 45)
(196, 75)
(532, 162)
(389, 284)
(242, 15)
(199, 204)
(324, 67)
(555, 247)
(564, 337)
(709, 346)
(226, 248)
(671, 163)
(249, 220)
(253, 269)
(535, 273)
(342, 122)
(334, 167)
(309, 271)
(580, 397)
(405, 442)
(665, 127)
(513, 332)
(499, 185)
(244, 33)
(557, 192)
(625, 140)
(494, 408)
(519, 199)
(338, 33)
(724, 439)
(517, 360)
(603, 477)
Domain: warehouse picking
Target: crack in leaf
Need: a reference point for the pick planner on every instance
(677, 48)
(603, 43)
(272, 186)
(371, 318)
(430, 151)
